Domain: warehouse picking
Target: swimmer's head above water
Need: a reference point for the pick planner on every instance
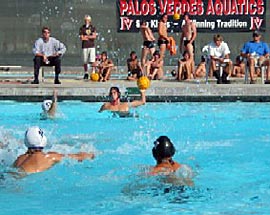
(113, 91)
(46, 105)
(35, 138)
(163, 148)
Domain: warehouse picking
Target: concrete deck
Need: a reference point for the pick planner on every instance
(16, 86)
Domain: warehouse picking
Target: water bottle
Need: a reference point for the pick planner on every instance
(253, 54)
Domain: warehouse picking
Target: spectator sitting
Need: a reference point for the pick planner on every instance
(134, 67)
(154, 68)
(239, 67)
(105, 66)
(48, 52)
(201, 68)
(185, 67)
(256, 52)
(219, 54)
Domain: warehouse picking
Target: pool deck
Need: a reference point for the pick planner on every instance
(16, 86)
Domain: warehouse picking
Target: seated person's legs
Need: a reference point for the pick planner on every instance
(38, 62)
(134, 74)
(106, 74)
(267, 75)
(153, 73)
(159, 73)
(251, 63)
(216, 71)
(226, 72)
(200, 70)
(242, 69)
(179, 72)
(56, 62)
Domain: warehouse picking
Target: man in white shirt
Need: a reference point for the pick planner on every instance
(219, 55)
(48, 52)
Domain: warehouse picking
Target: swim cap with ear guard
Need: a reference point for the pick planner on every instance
(163, 148)
(35, 138)
(46, 105)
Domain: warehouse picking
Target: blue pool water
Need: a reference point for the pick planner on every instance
(226, 144)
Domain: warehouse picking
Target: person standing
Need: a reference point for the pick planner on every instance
(48, 52)
(188, 36)
(148, 42)
(163, 39)
(88, 35)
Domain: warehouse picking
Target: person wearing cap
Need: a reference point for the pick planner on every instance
(49, 107)
(35, 160)
(220, 57)
(188, 36)
(48, 52)
(118, 107)
(163, 152)
(257, 54)
(154, 67)
(88, 35)
(134, 67)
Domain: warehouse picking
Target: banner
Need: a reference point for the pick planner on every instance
(209, 15)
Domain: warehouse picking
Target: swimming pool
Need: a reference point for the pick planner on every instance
(227, 144)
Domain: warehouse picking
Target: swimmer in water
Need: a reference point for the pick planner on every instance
(118, 107)
(35, 160)
(49, 107)
(163, 151)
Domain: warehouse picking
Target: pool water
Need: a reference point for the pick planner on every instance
(226, 144)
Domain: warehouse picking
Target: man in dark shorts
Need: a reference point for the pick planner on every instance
(149, 42)
(163, 39)
(188, 36)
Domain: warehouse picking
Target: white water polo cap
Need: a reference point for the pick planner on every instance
(46, 105)
(35, 138)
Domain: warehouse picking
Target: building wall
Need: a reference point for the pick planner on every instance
(21, 22)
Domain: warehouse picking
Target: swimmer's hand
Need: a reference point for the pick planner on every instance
(82, 156)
